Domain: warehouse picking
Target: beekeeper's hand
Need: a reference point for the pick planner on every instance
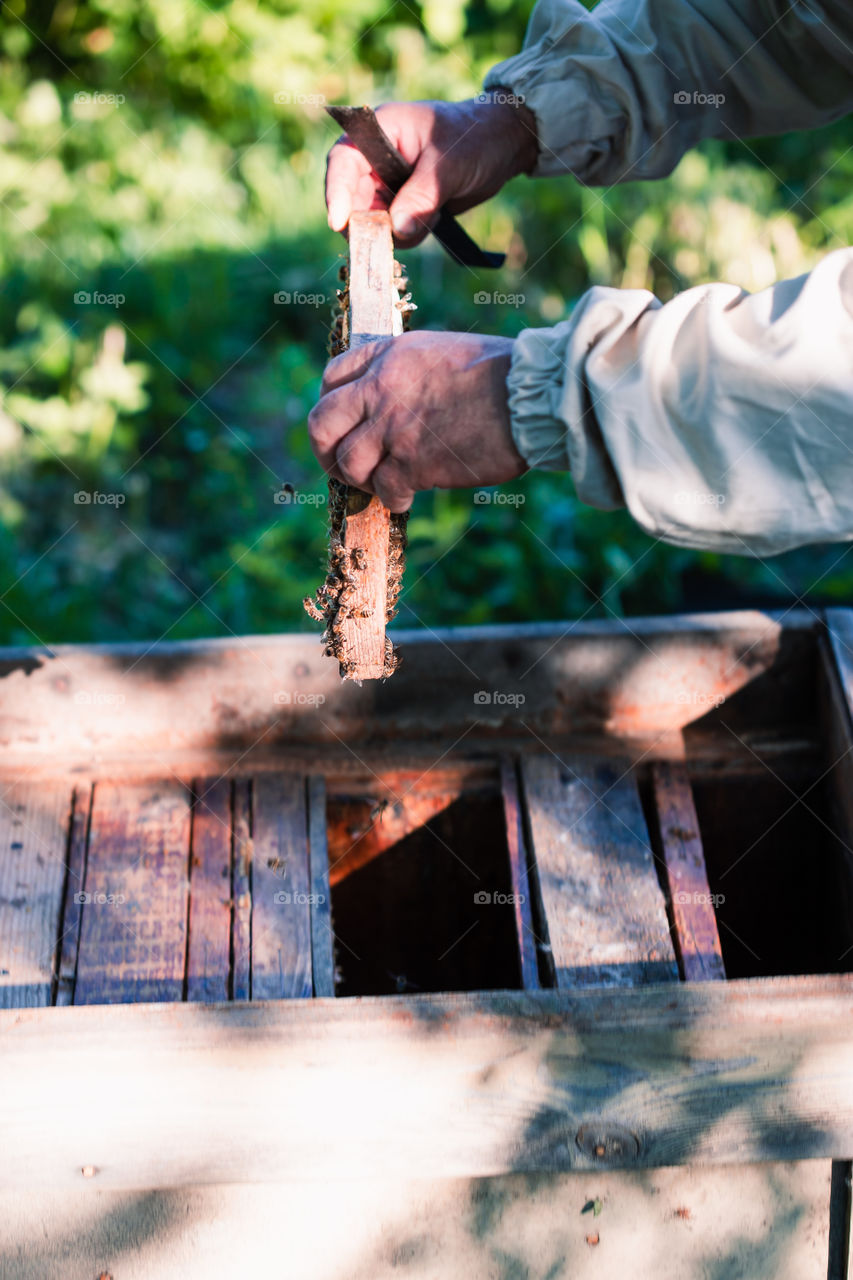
(421, 411)
(462, 152)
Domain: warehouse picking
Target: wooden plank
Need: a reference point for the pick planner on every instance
(281, 914)
(517, 850)
(835, 696)
(835, 703)
(322, 940)
(697, 938)
(756, 1222)
(604, 908)
(717, 752)
(359, 634)
(75, 884)
(209, 945)
(467, 1085)
(839, 627)
(241, 893)
(840, 1199)
(134, 927)
(33, 835)
(362, 632)
(630, 680)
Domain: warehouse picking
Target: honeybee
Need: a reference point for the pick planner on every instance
(312, 609)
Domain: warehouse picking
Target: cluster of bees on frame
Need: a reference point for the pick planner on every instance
(333, 602)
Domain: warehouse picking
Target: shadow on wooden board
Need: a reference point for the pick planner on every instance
(489, 1088)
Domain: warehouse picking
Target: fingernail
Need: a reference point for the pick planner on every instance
(404, 224)
(338, 212)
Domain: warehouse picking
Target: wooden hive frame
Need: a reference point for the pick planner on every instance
(240, 790)
(366, 541)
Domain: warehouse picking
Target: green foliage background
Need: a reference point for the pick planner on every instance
(196, 193)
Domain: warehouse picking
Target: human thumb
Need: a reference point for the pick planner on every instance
(415, 207)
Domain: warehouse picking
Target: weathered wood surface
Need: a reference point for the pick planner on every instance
(281, 912)
(604, 908)
(241, 892)
(628, 682)
(835, 694)
(75, 880)
(839, 624)
(450, 1086)
(33, 834)
(322, 942)
(209, 948)
(755, 1222)
(373, 313)
(133, 929)
(519, 880)
(365, 823)
(839, 1220)
(697, 937)
(835, 700)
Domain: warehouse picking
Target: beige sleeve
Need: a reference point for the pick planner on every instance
(722, 420)
(623, 91)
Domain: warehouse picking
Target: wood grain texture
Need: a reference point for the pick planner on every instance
(322, 940)
(209, 945)
(839, 627)
(612, 685)
(33, 834)
(840, 1207)
(835, 700)
(448, 1086)
(696, 934)
(134, 926)
(835, 696)
(241, 893)
(373, 314)
(756, 1222)
(75, 884)
(604, 908)
(281, 913)
(517, 852)
(363, 825)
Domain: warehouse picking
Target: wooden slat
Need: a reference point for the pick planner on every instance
(75, 884)
(133, 930)
(517, 851)
(627, 682)
(322, 941)
(835, 702)
(241, 893)
(835, 696)
(281, 916)
(697, 938)
(448, 1086)
(209, 948)
(33, 835)
(604, 907)
(373, 314)
(840, 1204)
(839, 625)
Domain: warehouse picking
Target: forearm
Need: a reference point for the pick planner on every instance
(603, 86)
(722, 420)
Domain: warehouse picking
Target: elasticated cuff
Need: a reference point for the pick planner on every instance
(580, 123)
(535, 384)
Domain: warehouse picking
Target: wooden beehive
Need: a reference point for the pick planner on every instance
(558, 904)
